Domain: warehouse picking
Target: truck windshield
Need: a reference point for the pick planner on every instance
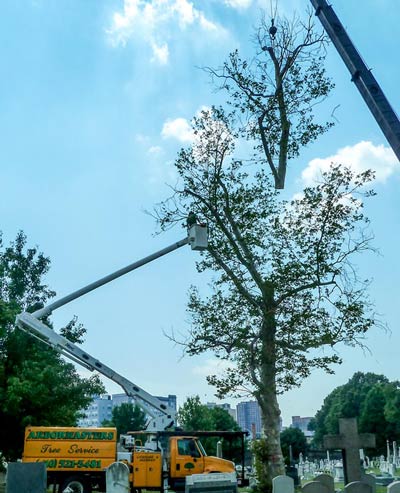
(200, 445)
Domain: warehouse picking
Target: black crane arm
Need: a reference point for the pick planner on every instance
(361, 75)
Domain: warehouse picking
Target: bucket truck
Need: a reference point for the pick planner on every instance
(76, 458)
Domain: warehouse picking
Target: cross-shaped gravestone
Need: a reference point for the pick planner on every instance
(350, 442)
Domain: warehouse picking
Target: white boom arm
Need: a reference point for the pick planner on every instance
(161, 420)
(162, 416)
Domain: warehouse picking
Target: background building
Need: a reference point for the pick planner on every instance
(101, 408)
(227, 407)
(98, 411)
(249, 418)
(302, 424)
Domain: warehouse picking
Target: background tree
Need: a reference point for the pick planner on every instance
(127, 417)
(195, 416)
(294, 438)
(283, 286)
(369, 397)
(37, 387)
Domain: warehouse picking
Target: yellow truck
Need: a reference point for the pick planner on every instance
(76, 458)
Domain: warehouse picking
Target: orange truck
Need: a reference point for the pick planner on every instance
(76, 458)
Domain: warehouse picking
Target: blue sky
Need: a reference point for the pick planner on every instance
(95, 100)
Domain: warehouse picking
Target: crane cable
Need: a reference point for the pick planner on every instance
(273, 29)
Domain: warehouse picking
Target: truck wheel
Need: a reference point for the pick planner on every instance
(75, 484)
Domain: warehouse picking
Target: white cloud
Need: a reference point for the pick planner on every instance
(238, 4)
(151, 20)
(360, 157)
(160, 53)
(203, 149)
(179, 129)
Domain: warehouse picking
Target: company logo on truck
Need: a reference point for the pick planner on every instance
(70, 435)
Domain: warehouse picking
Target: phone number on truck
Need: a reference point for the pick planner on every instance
(72, 464)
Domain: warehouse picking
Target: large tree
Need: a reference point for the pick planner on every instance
(284, 291)
(370, 398)
(37, 387)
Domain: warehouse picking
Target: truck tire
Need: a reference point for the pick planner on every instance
(76, 484)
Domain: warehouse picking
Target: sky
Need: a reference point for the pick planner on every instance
(95, 101)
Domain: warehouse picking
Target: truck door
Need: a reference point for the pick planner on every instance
(189, 459)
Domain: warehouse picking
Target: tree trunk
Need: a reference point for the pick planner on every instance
(272, 463)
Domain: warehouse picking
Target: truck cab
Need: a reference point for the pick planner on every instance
(181, 456)
(187, 456)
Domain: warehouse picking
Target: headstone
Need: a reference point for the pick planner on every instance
(369, 479)
(394, 487)
(117, 478)
(357, 487)
(339, 474)
(326, 480)
(216, 483)
(290, 454)
(384, 480)
(350, 442)
(219, 449)
(293, 473)
(282, 484)
(315, 487)
(26, 477)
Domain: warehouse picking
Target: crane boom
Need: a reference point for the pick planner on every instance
(362, 77)
(161, 420)
(162, 416)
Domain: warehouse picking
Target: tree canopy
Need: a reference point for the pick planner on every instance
(275, 92)
(37, 387)
(371, 398)
(284, 291)
(283, 283)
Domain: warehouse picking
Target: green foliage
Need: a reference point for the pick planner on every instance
(195, 416)
(276, 91)
(37, 387)
(284, 293)
(369, 397)
(260, 450)
(127, 417)
(294, 438)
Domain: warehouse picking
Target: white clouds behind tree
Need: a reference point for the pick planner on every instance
(359, 157)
